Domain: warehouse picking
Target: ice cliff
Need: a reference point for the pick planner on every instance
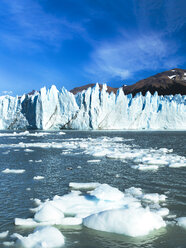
(92, 109)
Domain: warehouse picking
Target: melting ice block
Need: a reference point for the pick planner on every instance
(103, 208)
(132, 222)
(181, 222)
(4, 234)
(13, 171)
(106, 192)
(49, 213)
(41, 237)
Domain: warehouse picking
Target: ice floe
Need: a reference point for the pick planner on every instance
(13, 171)
(8, 243)
(101, 207)
(132, 222)
(80, 186)
(42, 237)
(25, 133)
(116, 148)
(4, 234)
(38, 177)
(181, 221)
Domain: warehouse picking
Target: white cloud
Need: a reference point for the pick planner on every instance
(31, 25)
(128, 55)
(5, 92)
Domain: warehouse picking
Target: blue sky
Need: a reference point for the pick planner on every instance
(75, 42)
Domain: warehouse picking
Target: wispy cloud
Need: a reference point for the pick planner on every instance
(124, 57)
(6, 92)
(28, 24)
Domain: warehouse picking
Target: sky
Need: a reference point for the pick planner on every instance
(71, 43)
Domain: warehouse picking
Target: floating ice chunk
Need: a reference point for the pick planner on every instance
(155, 197)
(62, 133)
(132, 222)
(181, 221)
(4, 234)
(94, 161)
(40, 238)
(106, 192)
(163, 211)
(68, 221)
(37, 202)
(38, 177)
(26, 222)
(28, 150)
(177, 165)
(83, 186)
(49, 213)
(38, 161)
(7, 171)
(6, 153)
(134, 191)
(145, 167)
(8, 243)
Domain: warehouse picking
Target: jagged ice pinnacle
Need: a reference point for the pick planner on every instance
(92, 109)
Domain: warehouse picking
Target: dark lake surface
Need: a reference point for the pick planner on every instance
(64, 158)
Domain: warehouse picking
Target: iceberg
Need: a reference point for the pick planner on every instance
(93, 108)
(101, 207)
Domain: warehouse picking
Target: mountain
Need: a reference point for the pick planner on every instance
(92, 109)
(170, 82)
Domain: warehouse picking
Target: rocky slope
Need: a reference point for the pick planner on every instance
(166, 83)
(170, 82)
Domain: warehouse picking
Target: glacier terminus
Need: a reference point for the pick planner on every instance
(94, 109)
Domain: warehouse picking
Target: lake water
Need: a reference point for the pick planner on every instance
(64, 158)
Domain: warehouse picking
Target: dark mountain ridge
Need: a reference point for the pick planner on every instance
(170, 82)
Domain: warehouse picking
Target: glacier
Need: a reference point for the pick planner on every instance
(53, 109)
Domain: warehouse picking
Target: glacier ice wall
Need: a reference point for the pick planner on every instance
(92, 109)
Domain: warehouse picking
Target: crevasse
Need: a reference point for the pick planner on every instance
(92, 109)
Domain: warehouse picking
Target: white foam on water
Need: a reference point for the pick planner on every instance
(13, 171)
(41, 237)
(4, 234)
(38, 177)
